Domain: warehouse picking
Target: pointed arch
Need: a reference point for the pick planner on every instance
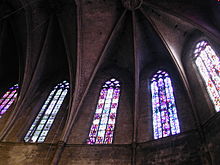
(102, 129)
(46, 116)
(165, 119)
(7, 99)
(208, 65)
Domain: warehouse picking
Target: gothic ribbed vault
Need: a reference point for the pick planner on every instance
(87, 42)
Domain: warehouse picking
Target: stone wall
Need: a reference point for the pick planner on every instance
(176, 150)
(212, 132)
(24, 154)
(96, 155)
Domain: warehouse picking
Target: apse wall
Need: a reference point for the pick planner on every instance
(123, 127)
(184, 108)
(206, 112)
(87, 43)
(177, 149)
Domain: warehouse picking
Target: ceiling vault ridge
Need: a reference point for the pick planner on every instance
(69, 61)
(137, 78)
(41, 54)
(132, 4)
(28, 20)
(6, 14)
(75, 110)
(173, 57)
(24, 5)
(19, 105)
(71, 111)
(182, 75)
(184, 19)
(109, 82)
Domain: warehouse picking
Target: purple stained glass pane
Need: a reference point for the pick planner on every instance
(105, 114)
(7, 99)
(165, 120)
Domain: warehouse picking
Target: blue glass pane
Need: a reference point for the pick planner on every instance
(45, 118)
(165, 120)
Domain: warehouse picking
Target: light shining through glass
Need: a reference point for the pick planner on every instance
(208, 65)
(103, 125)
(7, 99)
(45, 118)
(165, 120)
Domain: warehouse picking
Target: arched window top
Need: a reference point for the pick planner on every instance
(111, 83)
(7, 99)
(199, 47)
(203, 46)
(63, 85)
(159, 74)
(45, 118)
(165, 120)
(208, 64)
(102, 129)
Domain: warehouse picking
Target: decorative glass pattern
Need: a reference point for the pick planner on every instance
(103, 125)
(208, 65)
(165, 120)
(45, 118)
(7, 99)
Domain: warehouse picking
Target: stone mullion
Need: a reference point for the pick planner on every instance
(51, 111)
(209, 72)
(39, 120)
(4, 99)
(109, 114)
(101, 113)
(9, 99)
(159, 97)
(167, 104)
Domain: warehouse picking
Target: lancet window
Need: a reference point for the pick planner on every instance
(165, 119)
(45, 118)
(102, 129)
(208, 64)
(7, 99)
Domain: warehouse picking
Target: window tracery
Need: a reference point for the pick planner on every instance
(165, 119)
(208, 64)
(45, 118)
(102, 129)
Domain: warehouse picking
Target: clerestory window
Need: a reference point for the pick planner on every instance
(165, 119)
(45, 118)
(7, 99)
(102, 129)
(208, 65)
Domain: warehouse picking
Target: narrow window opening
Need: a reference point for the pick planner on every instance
(7, 99)
(102, 129)
(165, 120)
(45, 118)
(208, 65)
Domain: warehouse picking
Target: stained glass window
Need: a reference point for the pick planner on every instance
(165, 120)
(45, 118)
(103, 125)
(7, 99)
(208, 65)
